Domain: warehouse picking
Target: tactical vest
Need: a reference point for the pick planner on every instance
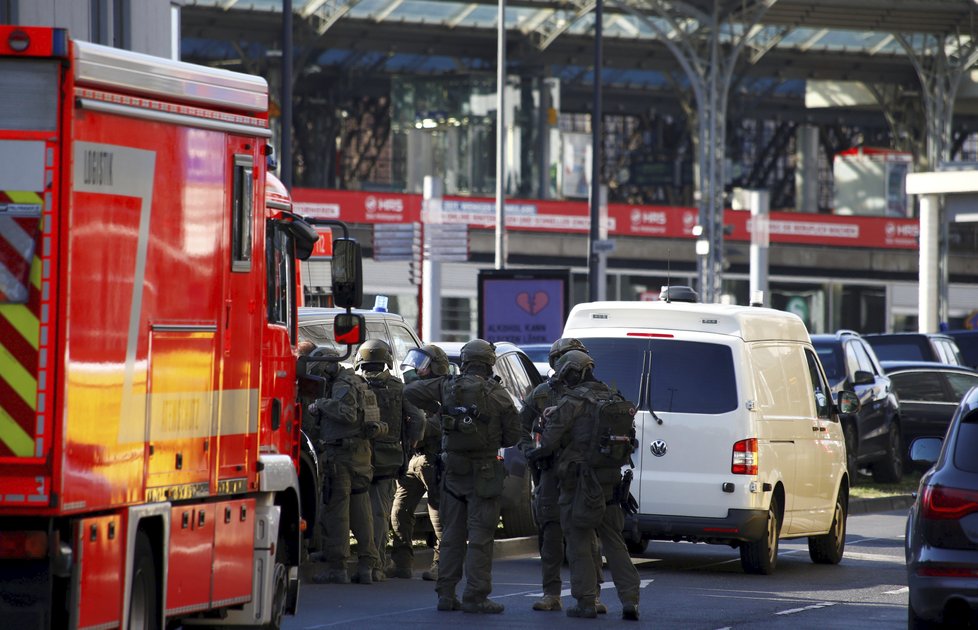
(363, 401)
(388, 452)
(468, 424)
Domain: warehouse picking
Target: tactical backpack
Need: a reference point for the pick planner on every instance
(464, 414)
(366, 401)
(388, 452)
(613, 436)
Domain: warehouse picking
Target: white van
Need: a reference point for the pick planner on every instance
(739, 440)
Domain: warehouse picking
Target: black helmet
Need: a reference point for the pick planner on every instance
(428, 360)
(573, 366)
(479, 351)
(563, 346)
(374, 351)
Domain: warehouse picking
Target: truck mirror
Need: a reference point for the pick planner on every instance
(305, 237)
(347, 274)
(349, 328)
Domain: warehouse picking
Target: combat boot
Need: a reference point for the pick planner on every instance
(486, 606)
(399, 572)
(448, 603)
(364, 575)
(582, 611)
(548, 602)
(629, 612)
(431, 575)
(600, 607)
(378, 575)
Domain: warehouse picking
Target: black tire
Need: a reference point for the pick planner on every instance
(760, 557)
(518, 519)
(852, 451)
(829, 548)
(279, 597)
(890, 468)
(636, 547)
(143, 607)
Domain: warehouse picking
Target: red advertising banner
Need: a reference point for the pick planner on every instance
(623, 219)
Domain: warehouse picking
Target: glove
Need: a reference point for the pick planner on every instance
(313, 409)
(534, 455)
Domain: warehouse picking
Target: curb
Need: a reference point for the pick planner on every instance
(880, 504)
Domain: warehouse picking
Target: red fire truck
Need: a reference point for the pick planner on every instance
(149, 423)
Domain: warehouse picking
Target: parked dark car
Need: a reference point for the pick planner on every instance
(907, 346)
(929, 393)
(967, 341)
(873, 434)
(942, 527)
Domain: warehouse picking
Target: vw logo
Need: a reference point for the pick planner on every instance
(658, 448)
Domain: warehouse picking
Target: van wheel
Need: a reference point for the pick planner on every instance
(828, 548)
(890, 468)
(761, 556)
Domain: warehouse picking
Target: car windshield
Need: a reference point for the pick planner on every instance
(687, 376)
(831, 357)
(898, 350)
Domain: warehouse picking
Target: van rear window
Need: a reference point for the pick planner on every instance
(686, 376)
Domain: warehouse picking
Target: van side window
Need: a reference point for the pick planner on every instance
(823, 395)
(781, 380)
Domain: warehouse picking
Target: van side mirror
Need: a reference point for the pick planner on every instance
(862, 377)
(349, 328)
(848, 402)
(347, 272)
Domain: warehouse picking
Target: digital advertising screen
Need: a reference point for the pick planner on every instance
(523, 306)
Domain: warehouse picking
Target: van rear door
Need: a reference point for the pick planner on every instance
(689, 416)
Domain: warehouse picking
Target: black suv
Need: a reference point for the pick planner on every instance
(909, 346)
(873, 435)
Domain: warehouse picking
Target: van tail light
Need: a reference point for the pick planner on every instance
(23, 545)
(943, 503)
(744, 461)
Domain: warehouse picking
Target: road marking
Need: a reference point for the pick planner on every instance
(899, 591)
(874, 557)
(804, 608)
(566, 592)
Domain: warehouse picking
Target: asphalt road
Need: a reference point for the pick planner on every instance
(683, 586)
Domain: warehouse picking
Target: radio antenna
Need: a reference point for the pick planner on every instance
(668, 272)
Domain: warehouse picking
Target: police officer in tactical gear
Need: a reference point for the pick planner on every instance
(405, 424)
(428, 361)
(478, 418)
(347, 417)
(570, 433)
(546, 493)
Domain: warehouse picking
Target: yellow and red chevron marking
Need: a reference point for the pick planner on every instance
(20, 304)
